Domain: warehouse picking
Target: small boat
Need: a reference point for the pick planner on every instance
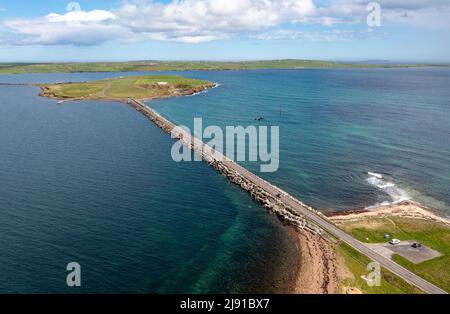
(259, 119)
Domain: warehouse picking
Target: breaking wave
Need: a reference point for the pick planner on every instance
(386, 184)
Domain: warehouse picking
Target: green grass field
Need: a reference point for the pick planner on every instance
(433, 234)
(356, 264)
(142, 66)
(138, 87)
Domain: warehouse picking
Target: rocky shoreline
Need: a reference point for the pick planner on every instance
(317, 272)
(319, 267)
(227, 168)
(180, 92)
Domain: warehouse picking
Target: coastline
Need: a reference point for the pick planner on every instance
(408, 222)
(321, 265)
(206, 66)
(318, 271)
(320, 257)
(190, 92)
(405, 209)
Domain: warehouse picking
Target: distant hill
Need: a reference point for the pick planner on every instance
(142, 66)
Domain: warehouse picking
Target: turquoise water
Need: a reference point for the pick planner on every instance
(336, 126)
(93, 182)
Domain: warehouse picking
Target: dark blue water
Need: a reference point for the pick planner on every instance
(93, 182)
(338, 125)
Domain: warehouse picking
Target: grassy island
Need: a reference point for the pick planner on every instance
(123, 88)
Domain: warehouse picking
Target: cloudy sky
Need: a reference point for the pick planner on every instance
(348, 30)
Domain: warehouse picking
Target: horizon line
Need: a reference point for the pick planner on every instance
(368, 61)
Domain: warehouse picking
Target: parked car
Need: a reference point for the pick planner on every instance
(416, 245)
(394, 241)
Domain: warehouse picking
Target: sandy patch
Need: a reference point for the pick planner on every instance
(407, 209)
(352, 290)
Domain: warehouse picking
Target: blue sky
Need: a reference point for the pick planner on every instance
(94, 30)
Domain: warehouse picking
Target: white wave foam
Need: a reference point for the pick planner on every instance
(204, 91)
(396, 194)
(198, 93)
(376, 175)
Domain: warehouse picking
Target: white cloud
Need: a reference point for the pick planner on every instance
(328, 35)
(189, 21)
(210, 19)
(196, 21)
(82, 28)
(81, 16)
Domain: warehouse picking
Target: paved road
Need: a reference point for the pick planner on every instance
(338, 233)
(317, 218)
